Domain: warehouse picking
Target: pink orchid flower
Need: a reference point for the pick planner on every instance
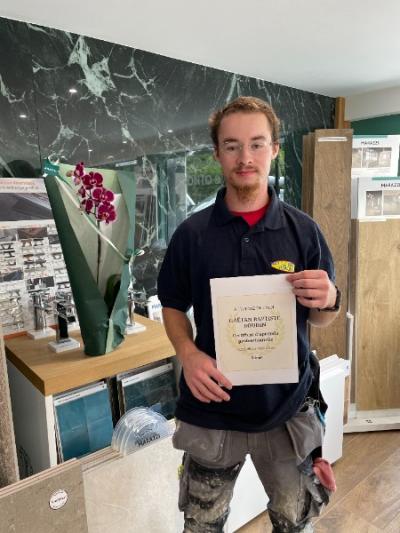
(93, 179)
(106, 213)
(87, 204)
(100, 194)
(78, 173)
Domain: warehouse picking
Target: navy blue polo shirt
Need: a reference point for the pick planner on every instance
(215, 243)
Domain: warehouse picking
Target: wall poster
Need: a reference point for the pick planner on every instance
(30, 253)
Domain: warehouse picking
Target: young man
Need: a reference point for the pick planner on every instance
(244, 234)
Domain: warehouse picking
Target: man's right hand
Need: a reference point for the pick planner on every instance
(203, 378)
(200, 370)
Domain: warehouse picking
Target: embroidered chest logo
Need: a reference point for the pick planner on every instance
(283, 266)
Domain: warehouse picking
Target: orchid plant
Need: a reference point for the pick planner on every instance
(94, 211)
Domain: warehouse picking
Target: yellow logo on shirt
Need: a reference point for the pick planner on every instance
(284, 266)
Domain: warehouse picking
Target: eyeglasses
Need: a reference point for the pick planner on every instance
(235, 148)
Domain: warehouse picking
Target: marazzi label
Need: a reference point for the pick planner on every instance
(58, 499)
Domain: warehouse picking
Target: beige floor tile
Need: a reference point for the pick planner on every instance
(122, 493)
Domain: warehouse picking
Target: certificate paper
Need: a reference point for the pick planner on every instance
(255, 329)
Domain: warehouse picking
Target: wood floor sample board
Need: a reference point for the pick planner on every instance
(326, 192)
(377, 306)
(8, 454)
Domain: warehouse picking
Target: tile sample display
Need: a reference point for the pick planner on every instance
(153, 387)
(47, 502)
(138, 492)
(83, 421)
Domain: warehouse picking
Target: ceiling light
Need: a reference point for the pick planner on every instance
(170, 131)
(124, 142)
(90, 150)
(73, 90)
(22, 115)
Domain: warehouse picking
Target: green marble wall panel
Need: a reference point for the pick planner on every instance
(136, 110)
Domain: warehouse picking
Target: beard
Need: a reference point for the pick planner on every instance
(247, 192)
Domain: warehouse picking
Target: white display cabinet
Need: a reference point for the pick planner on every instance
(36, 374)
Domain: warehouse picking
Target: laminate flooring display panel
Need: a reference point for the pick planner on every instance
(326, 198)
(377, 329)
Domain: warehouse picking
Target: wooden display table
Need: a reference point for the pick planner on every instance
(36, 373)
(53, 373)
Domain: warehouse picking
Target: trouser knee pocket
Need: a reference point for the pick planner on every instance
(306, 433)
(208, 474)
(205, 493)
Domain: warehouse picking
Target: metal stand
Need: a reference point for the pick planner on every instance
(65, 314)
(132, 326)
(41, 305)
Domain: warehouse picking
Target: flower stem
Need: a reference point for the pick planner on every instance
(98, 253)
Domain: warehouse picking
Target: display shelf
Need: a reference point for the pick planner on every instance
(53, 373)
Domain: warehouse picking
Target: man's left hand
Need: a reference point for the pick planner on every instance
(313, 288)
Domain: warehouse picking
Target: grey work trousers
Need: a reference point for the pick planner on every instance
(213, 459)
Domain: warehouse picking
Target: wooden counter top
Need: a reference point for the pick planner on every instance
(52, 373)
